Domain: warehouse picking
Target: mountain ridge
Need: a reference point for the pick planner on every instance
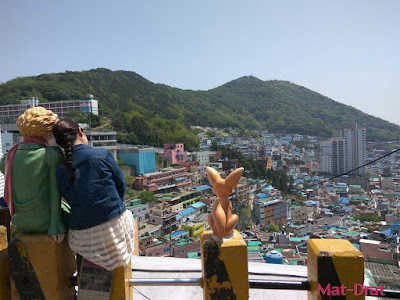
(246, 102)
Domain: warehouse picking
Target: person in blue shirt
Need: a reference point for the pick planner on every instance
(100, 228)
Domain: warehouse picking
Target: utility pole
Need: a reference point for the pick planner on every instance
(237, 208)
(170, 237)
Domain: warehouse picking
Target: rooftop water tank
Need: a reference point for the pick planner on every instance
(274, 257)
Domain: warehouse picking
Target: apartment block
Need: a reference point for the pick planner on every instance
(165, 218)
(165, 181)
(298, 213)
(345, 153)
(243, 189)
(299, 230)
(203, 157)
(99, 139)
(355, 149)
(269, 211)
(13, 111)
(332, 158)
(138, 209)
(175, 153)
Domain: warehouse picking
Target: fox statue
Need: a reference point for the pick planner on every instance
(221, 219)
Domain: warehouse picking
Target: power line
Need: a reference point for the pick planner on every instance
(371, 162)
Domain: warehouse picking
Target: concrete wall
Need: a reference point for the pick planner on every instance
(128, 171)
(145, 162)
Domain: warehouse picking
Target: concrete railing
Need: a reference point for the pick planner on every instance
(35, 267)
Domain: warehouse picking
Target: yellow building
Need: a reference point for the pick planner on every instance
(194, 229)
(269, 163)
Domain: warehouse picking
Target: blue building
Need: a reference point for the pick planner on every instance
(143, 159)
(395, 228)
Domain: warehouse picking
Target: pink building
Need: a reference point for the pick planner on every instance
(167, 180)
(182, 249)
(175, 249)
(163, 249)
(174, 153)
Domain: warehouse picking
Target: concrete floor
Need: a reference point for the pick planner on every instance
(169, 267)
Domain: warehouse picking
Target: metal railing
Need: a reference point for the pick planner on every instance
(254, 284)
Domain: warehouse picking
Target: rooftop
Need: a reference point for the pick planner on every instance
(198, 204)
(187, 211)
(203, 187)
(363, 241)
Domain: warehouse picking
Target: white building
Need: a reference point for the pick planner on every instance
(340, 155)
(355, 149)
(13, 111)
(203, 157)
(106, 140)
(332, 158)
(7, 141)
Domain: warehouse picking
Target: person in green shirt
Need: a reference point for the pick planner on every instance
(29, 167)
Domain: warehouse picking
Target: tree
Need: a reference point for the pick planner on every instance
(272, 228)
(244, 215)
(367, 218)
(280, 180)
(146, 196)
(76, 115)
(210, 134)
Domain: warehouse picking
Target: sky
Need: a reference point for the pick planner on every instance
(346, 50)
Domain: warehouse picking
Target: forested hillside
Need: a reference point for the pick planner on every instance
(144, 112)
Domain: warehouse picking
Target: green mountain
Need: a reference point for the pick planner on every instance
(144, 112)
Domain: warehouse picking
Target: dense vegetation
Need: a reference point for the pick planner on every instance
(270, 228)
(367, 218)
(144, 112)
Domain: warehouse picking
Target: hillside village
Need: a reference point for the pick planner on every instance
(321, 193)
(277, 226)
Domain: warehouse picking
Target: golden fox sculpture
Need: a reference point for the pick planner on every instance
(221, 219)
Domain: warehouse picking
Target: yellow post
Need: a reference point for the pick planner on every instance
(225, 271)
(40, 268)
(5, 291)
(3, 238)
(335, 268)
(120, 289)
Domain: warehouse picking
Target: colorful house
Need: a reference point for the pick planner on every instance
(174, 153)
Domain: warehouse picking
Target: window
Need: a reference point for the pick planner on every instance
(182, 251)
(166, 250)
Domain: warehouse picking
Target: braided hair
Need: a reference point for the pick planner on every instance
(66, 132)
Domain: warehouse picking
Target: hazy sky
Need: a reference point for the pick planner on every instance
(346, 50)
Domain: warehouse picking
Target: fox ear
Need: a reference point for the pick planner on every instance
(213, 175)
(233, 179)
